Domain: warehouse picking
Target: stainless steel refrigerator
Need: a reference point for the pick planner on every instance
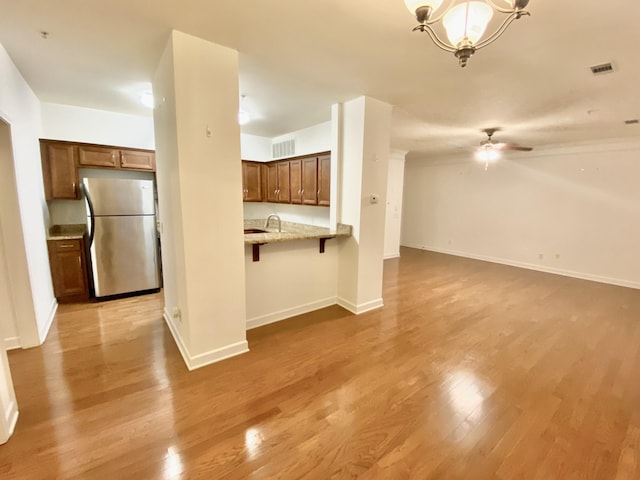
(122, 235)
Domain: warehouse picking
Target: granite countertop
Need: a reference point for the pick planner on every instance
(290, 231)
(66, 232)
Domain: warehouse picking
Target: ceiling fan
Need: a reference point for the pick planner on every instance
(489, 151)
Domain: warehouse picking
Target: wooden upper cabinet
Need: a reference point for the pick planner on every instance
(284, 193)
(309, 193)
(271, 183)
(324, 180)
(251, 181)
(59, 170)
(303, 180)
(93, 156)
(295, 180)
(138, 160)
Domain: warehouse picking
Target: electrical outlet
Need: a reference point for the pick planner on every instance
(540, 256)
(176, 314)
(557, 256)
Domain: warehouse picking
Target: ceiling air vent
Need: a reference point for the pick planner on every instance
(634, 121)
(602, 69)
(284, 149)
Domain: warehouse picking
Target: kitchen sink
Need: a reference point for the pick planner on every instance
(254, 230)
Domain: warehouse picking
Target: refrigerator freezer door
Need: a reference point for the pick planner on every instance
(116, 196)
(123, 255)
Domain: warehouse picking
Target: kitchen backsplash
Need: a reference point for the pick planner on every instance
(318, 216)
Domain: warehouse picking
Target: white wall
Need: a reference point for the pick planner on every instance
(200, 191)
(577, 207)
(88, 125)
(8, 329)
(25, 236)
(309, 140)
(255, 148)
(305, 214)
(365, 154)
(393, 217)
(291, 278)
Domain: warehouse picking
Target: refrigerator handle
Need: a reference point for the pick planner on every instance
(91, 215)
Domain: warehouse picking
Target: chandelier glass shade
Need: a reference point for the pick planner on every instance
(465, 22)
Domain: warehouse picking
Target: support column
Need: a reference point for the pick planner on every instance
(200, 198)
(363, 154)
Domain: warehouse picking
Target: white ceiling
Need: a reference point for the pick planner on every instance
(298, 58)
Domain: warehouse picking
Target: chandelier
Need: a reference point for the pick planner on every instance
(465, 22)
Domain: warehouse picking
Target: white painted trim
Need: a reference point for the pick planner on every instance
(10, 420)
(12, 343)
(219, 354)
(531, 266)
(387, 256)
(43, 330)
(362, 308)
(290, 312)
(207, 358)
(176, 337)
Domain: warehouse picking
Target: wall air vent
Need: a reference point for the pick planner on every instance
(634, 121)
(284, 149)
(602, 69)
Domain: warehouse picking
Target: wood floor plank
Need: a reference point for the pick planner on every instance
(471, 370)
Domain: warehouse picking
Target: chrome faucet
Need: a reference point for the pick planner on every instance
(273, 215)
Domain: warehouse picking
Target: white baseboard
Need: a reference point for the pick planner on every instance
(11, 419)
(207, 358)
(531, 266)
(43, 330)
(289, 312)
(387, 256)
(362, 308)
(12, 343)
(219, 354)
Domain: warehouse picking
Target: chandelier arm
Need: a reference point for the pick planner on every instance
(439, 43)
(508, 21)
(444, 12)
(500, 9)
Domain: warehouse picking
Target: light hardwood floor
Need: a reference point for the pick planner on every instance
(471, 371)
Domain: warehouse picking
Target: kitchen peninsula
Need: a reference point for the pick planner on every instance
(294, 273)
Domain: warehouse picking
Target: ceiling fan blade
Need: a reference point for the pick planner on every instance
(509, 146)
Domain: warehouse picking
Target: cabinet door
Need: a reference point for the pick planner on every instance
(284, 193)
(138, 160)
(252, 181)
(324, 180)
(68, 269)
(295, 181)
(310, 181)
(272, 183)
(59, 171)
(90, 156)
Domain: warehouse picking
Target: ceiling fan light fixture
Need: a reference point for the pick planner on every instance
(465, 22)
(487, 154)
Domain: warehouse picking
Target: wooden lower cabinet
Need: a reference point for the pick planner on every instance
(68, 270)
